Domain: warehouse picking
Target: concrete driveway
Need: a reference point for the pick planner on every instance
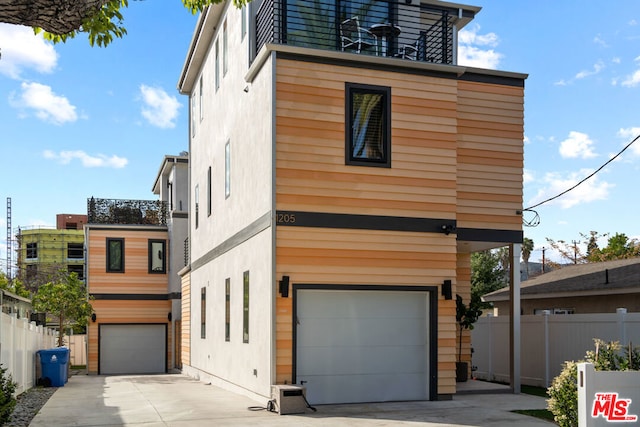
(178, 400)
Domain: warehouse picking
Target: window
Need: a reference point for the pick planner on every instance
(78, 269)
(193, 115)
(368, 125)
(75, 250)
(115, 255)
(243, 19)
(209, 191)
(225, 49)
(217, 66)
(203, 312)
(227, 309)
(32, 250)
(201, 104)
(32, 271)
(227, 169)
(197, 202)
(245, 308)
(157, 259)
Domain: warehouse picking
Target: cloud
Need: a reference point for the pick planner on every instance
(589, 191)
(46, 105)
(599, 40)
(576, 145)
(88, 161)
(21, 49)
(629, 134)
(472, 50)
(597, 67)
(527, 176)
(159, 108)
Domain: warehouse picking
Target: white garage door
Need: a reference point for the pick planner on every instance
(362, 346)
(132, 349)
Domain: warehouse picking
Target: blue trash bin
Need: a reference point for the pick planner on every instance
(54, 363)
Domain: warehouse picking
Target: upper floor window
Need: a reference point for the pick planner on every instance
(115, 255)
(75, 250)
(245, 308)
(201, 103)
(157, 259)
(217, 65)
(193, 114)
(368, 125)
(203, 312)
(78, 269)
(227, 169)
(32, 250)
(225, 49)
(243, 18)
(197, 204)
(227, 309)
(209, 191)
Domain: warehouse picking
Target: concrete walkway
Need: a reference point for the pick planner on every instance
(177, 400)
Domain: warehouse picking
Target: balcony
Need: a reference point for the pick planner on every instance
(117, 211)
(389, 28)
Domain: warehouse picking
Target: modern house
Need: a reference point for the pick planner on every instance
(343, 168)
(598, 287)
(44, 250)
(134, 250)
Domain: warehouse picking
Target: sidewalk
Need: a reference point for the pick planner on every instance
(177, 400)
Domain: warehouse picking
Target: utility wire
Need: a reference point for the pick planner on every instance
(530, 208)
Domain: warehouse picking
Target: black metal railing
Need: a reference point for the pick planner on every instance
(118, 211)
(186, 251)
(382, 28)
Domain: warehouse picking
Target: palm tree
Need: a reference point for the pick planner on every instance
(527, 248)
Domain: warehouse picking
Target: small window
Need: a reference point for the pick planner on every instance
(78, 269)
(32, 250)
(201, 103)
(243, 19)
(227, 309)
(203, 312)
(368, 125)
(75, 250)
(217, 77)
(245, 308)
(193, 115)
(225, 49)
(157, 259)
(197, 204)
(227, 170)
(209, 191)
(115, 255)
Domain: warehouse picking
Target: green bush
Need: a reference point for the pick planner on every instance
(563, 393)
(7, 399)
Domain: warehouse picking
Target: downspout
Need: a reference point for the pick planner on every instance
(274, 280)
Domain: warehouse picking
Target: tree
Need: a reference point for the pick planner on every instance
(66, 300)
(619, 246)
(527, 248)
(14, 286)
(60, 20)
(487, 274)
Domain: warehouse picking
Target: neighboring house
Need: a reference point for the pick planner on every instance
(338, 187)
(134, 250)
(599, 287)
(44, 250)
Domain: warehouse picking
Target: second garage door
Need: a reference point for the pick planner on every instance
(361, 345)
(133, 349)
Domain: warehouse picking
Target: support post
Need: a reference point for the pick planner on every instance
(514, 320)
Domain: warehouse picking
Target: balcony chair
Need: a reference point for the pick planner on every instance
(409, 51)
(355, 37)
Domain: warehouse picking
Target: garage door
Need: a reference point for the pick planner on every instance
(362, 346)
(132, 349)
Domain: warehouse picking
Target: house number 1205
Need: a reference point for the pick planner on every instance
(286, 218)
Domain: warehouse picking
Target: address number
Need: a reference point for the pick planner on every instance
(286, 218)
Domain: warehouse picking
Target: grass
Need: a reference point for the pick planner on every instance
(543, 414)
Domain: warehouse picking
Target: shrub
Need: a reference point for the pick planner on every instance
(7, 399)
(563, 393)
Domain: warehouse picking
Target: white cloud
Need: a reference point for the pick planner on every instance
(578, 144)
(599, 40)
(472, 50)
(589, 191)
(597, 67)
(44, 103)
(159, 108)
(629, 134)
(527, 176)
(632, 80)
(22, 49)
(88, 161)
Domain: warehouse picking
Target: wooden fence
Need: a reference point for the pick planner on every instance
(20, 340)
(546, 342)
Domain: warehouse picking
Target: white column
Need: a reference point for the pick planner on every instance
(514, 326)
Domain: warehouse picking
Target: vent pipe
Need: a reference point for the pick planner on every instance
(606, 276)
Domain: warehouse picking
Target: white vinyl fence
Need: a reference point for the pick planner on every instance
(546, 342)
(19, 342)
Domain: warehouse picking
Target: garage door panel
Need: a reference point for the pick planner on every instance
(132, 349)
(362, 345)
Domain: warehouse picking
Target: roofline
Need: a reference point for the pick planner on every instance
(167, 160)
(565, 294)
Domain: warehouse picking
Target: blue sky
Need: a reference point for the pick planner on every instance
(78, 121)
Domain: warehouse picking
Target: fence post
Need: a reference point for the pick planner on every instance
(622, 325)
(545, 315)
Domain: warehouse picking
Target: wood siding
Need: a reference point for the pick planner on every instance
(186, 320)
(136, 280)
(456, 154)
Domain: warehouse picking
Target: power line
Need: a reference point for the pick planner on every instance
(530, 208)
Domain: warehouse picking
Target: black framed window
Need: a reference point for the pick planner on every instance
(78, 269)
(197, 204)
(227, 309)
(368, 125)
(157, 256)
(203, 312)
(245, 308)
(75, 250)
(209, 191)
(115, 255)
(32, 250)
